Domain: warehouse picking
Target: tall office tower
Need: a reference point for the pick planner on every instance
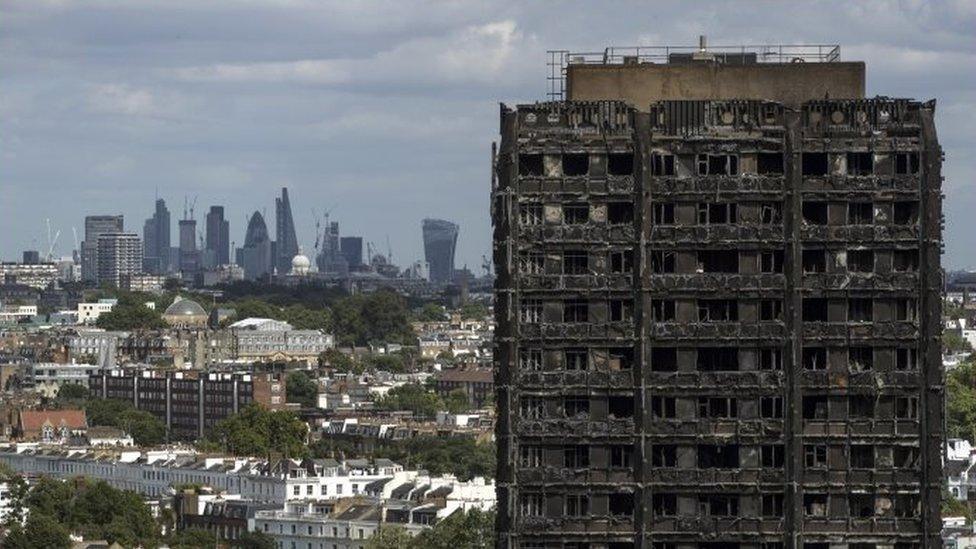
(189, 255)
(330, 258)
(156, 240)
(218, 235)
(717, 306)
(31, 257)
(351, 248)
(96, 225)
(255, 256)
(286, 243)
(119, 255)
(440, 239)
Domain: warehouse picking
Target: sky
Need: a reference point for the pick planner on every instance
(380, 113)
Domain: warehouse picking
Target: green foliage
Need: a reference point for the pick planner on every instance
(299, 316)
(145, 428)
(254, 540)
(462, 457)
(474, 311)
(41, 532)
(388, 363)
(472, 530)
(952, 507)
(413, 398)
(91, 508)
(335, 359)
(72, 393)
(302, 389)
(457, 402)
(191, 538)
(379, 316)
(431, 312)
(389, 537)
(131, 313)
(257, 431)
(961, 401)
(953, 342)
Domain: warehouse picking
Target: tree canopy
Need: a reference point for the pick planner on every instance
(413, 398)
(471, 530)
(257, 431)
(145, 428)
(131, 313)
(463, 457)
(961, 401)
(381, 316)
(302, 389)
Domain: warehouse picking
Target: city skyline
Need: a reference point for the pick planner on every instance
(211, 112)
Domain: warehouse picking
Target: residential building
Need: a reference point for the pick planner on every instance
(440, 241)
(95, 226)
(148, 283)
(50, 426)
(717, 306)
(88, 313)
(268, 340)
(119, 256)
(352, 250)
(47, 378)
(477, 384)
(36, 275)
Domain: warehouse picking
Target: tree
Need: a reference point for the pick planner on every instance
(389, 537)
(388, 363)
(254, 540)
(339, 361)
(474, 310)
(257, 431)
(131, 313)
(457, 401)
(961, 401)
(472, 530)
(953, 342)
(192, 538)
(411, 397)
(72, 393)
(431, 312)
(145, 428)
(301, 389)
(379, 316)
(40, 532)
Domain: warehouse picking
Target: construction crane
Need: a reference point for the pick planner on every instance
(74, 231)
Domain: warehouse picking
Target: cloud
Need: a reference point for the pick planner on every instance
(124, 100)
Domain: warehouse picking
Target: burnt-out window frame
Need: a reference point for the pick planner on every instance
(860, 212)
(662, 165)
(663, 407)
(531, 164)
(814, 212)
(620, 213)
(662, 261)
(530, 359)
(620, 164)
(621, 261)
(576, 359)
(718, 213)
(530, 214)
(531, 262)
(814, 163)
(662, 213)
(575, 164)
(576, 213)
(576, 262)
(576, 311)
(770, 163)
(663, 310)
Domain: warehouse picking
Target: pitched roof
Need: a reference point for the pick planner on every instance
(34, 420)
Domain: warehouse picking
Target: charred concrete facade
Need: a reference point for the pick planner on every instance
(718, 324)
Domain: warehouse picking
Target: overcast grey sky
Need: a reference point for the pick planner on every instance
(383, 112)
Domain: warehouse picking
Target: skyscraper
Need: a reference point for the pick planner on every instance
(96, 225)
(156, 240)
(218, 235)
(119, 255)
(352, 249)
(189, 255)
(286, 243)
(718, 307)
(440, 239)
(255, 256)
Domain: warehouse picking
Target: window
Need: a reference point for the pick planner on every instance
(620, 407)
(621, 358)
(860, 407)
(622, 262)
(769, 163)
(772, 455)
(860, 163)
(907, 505)
(532, 408)
(530, 164)
(860, 213)
(814, 261)
(621, 505)
(576, 457)
(530, 214)
(664, 359)
(575, 262)
(814, 309)
(576, 214)
(862, 456)
(716, 214)
(905, 213)
(621, 457)
(577, 505)
(662, 164)
(905, 309)
(713, 456)
(530, 311)
(664, 505)
(531, 263)
(905, 261)
(575, 164)
(662, 261)
(770, 213)
(664, 455)
(531, 456)
(814, 358)
(576, 407)
(906, 457)
(860, 261)
(718, 407)
(906, 163)
(815, 456)
(531, 505)
(620, 213)
(815, 213)
(770, 359)
(576, 359)
(621, 310)
(719, 505)
(718, 359)
(718, 164)
(906, 407)
(718, 261)
(620, 163)
(860, 359)
(718, 310)
(771, 262)
(530, 359)
(575, 310)
(662, 310)
(663, 407)
(770, 309)
(815, 163)
(663, 213)
(771, 407)
(906, 359)
(860, 310)
(772, 505)
(815, 505)
(815, 407)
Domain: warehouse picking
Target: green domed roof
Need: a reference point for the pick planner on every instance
(185, 307)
